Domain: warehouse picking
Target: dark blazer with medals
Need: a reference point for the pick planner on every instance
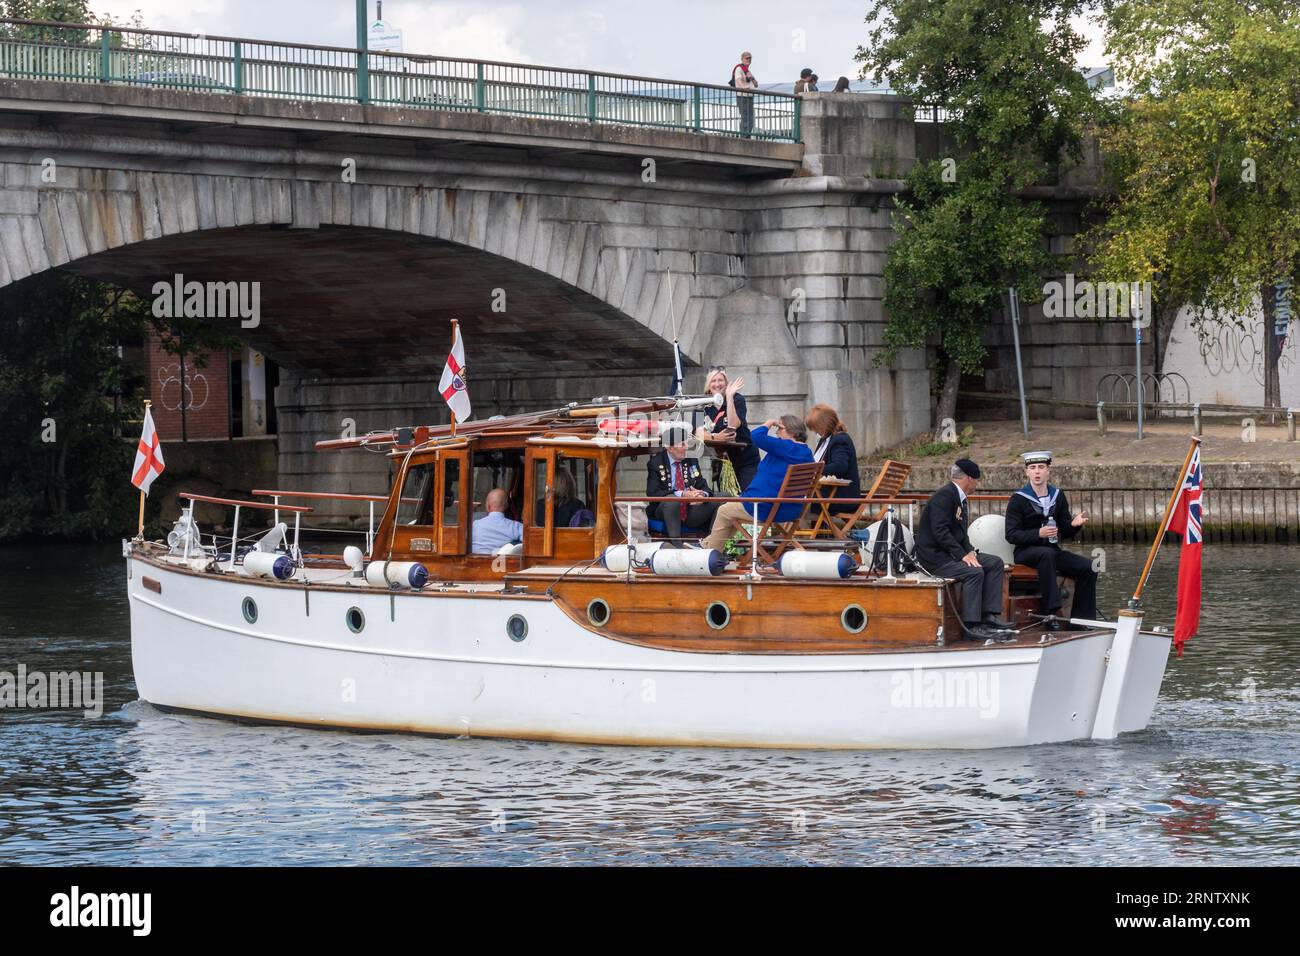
(659, 476)
(941, 533)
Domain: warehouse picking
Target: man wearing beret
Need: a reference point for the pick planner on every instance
(1038, 518)
(944, 550)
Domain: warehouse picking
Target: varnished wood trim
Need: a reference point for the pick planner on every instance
(151, 584)
(670, 614)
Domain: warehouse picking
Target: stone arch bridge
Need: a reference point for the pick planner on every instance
(775, 249)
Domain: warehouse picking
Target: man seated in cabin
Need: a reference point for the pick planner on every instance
(494, 529)
(1038, 517)
(670, 472)
(783, 442)
(944, 550)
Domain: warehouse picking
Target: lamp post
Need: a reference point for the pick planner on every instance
(363, 55)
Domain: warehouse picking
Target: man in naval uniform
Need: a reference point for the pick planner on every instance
(1038, 517)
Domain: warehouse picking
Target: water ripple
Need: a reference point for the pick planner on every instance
(1213, 780)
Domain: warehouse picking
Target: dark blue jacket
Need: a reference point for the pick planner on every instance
(781, 453)
(841, 461)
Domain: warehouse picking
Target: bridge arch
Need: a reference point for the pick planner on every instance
(547, 280)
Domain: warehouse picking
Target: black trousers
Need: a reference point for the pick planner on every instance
(981, 588)
(698, 517)
(1050, 562)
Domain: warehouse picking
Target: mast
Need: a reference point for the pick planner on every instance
(677, 349)
(455, 328)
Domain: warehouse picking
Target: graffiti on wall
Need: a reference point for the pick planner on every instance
(1241, 351)
(192, 388)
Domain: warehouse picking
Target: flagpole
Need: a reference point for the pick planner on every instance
(1164, 523)
(455, 330)
(140, 529)
(677, 350)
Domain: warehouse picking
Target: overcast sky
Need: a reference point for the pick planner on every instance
(696, 40)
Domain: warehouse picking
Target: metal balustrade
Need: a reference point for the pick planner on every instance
(88, 53)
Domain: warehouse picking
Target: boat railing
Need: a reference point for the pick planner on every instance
(276, 494)
(910, 501)
(238, 505)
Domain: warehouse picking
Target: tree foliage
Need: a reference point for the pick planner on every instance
(1004, 71)
(1205, 154)
(66, 398)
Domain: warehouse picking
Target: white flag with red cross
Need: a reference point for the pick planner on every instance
(148, 456)
(453, 386)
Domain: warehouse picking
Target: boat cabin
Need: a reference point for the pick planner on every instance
(561, 483)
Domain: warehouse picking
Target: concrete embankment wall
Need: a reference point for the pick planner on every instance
(1241, 501)
(218, 468)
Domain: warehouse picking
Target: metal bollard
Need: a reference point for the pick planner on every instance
(1290, 423)
(1101, 418)
(1196, 419)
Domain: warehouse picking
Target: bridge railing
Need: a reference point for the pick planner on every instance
(91, 53)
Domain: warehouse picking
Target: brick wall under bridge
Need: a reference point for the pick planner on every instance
(359, 279)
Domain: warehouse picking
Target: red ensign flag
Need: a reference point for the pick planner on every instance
(148, 456)
(1186, 520)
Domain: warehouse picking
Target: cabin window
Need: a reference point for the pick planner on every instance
(417, 492)
(502, 470)
(451, 493)
(541, 487)
(575, 490)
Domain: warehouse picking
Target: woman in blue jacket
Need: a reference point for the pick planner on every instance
(782, 440)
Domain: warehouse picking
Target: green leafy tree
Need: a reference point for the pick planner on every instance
(1004, 70)
(1205, 159)
(66, 397)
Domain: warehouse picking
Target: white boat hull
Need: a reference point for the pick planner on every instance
(444, 664)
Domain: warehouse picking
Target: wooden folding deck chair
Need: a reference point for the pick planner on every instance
(889, 482)
(776, 537)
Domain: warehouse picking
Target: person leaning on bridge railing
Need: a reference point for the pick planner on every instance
(743, 79)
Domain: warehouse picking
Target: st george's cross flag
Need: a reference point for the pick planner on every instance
(148, 456)
(453, 386)
(1186, 520)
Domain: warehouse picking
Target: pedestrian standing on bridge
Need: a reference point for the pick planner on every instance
(743, 79)
(802, 84)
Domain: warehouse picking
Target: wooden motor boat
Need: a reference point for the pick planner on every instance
(574, 637)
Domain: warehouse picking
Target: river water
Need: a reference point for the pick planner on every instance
(1215, 779)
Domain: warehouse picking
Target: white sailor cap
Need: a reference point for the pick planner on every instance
(1037, 457)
